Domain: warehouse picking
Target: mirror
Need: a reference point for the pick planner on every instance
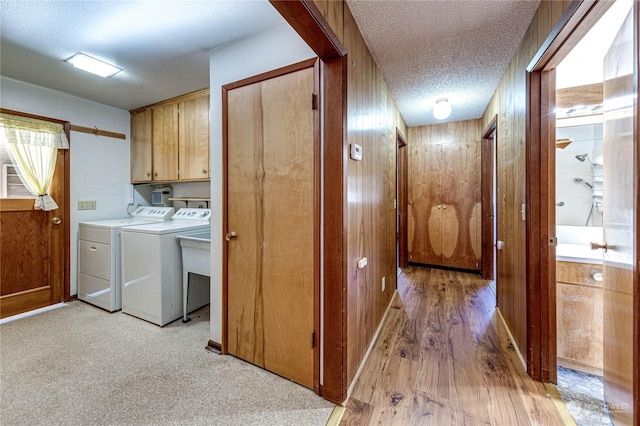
(579, 167)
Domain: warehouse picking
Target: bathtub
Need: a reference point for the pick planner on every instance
(574, 244)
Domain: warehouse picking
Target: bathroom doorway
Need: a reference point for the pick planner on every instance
(585, 118)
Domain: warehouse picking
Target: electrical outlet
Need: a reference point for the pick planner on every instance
(383, 283)
(87, 205)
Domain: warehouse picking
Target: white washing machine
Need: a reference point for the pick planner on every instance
(152, 267)
(99, 280)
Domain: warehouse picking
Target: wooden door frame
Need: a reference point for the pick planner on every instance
(579, 17)
(62, 261)
(307, 20)
(402, 188)
(488, 158)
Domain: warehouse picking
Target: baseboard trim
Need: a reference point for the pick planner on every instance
(373, 341)
(513, 341)
(214, 347)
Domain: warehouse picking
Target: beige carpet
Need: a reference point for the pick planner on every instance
(79, 365)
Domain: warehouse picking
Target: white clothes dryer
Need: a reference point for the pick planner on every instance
(99, 280)
(152, 267)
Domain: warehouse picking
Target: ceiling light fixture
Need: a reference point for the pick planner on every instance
(93, 65)
(442, 109)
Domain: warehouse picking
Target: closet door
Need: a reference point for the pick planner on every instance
(271, 225)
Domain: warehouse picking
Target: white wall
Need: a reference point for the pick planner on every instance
(99, 165)
(577, 197)
(269, 50)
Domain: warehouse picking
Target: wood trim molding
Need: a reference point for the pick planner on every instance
(37, 117)
(307, 20)
(533, 154)
(334, 112)
(541, 337)
(636, 213)
(488, 158)
(540, 227)
(577, 19)
(402, 197)
(271, 74)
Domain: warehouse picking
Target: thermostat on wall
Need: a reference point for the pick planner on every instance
(356, 152)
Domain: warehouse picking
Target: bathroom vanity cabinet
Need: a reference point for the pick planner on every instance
(579, 318)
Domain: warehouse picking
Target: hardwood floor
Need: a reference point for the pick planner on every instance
(443, 357)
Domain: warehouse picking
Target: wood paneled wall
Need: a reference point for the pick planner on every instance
(509, 104)
(371, 217)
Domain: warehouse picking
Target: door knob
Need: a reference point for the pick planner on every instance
(56, 221)
(231, 236)
(596, 246)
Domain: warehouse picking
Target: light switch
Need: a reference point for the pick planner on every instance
(356, 152)
(87, 205)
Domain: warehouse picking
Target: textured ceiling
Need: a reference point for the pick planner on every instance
(430, 49)
(163, 46)
(425, 49)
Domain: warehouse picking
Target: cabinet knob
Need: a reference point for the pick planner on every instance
(231, 236)
(439, 206)
(444, 206)
(155, 174)
(204, 171)
(148, 174)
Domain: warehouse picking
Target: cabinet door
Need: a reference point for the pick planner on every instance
(141, 139)
(444, 195)
(425, 207)
(165, 142)
(461, 214)
(194, 138)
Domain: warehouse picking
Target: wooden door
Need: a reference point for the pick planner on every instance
(34, 247)
(194, 138)
(141, 148)
(165, 142)
(271, 222)
(619, 228)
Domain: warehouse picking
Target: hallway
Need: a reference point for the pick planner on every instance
(443, 357)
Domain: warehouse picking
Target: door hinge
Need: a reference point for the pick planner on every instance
(314, 101)
(313, 339)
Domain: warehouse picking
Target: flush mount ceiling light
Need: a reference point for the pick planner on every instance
(93, 65)
(442, 109)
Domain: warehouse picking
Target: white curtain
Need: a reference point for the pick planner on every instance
(33, 147)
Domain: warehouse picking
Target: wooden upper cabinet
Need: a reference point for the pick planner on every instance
(141, 151)
(165, 142)
(194, 138)
(444, 195)
(170, 140)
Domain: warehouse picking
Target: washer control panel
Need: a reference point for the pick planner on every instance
(153, 213)
(192, 214)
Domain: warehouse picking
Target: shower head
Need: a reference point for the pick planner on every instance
(581, 157)
(580, 180)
